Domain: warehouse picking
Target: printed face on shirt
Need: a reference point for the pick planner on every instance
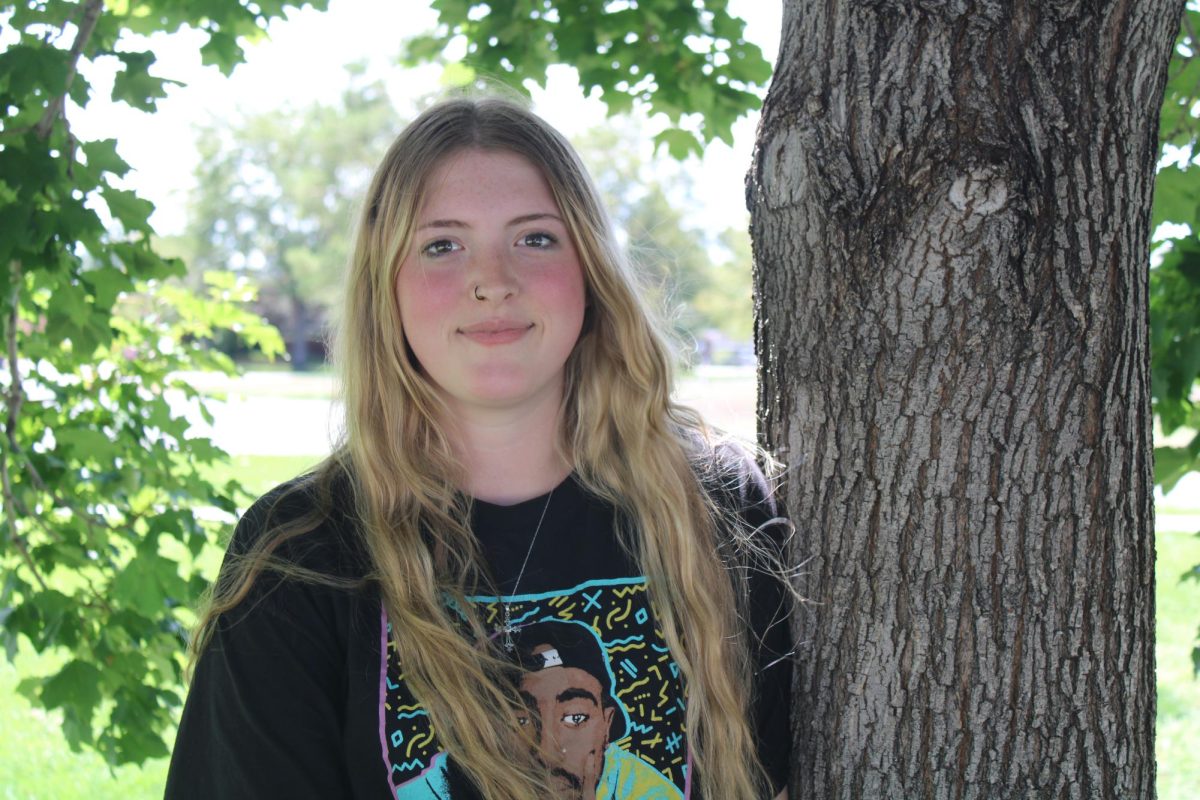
(569, 725)
(491, 292)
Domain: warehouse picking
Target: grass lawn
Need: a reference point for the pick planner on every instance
(1178, 610)
(35, 763)
(261, 473)
(263, 382)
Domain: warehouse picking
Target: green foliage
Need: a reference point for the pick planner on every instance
(675, 258)
(275, 198)
(106, 502)
(687, 59)
(724, 302)
(1175, 346)
(1175, 280)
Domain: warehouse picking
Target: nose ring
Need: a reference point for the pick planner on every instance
(478, 296)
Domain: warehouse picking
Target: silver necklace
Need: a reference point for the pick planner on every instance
(508, 628)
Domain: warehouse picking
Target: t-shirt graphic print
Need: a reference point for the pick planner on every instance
(604, 697)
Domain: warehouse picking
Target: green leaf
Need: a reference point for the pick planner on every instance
(618, 102)
(679, 143)
(746, 63)
(27, 167)
(77, 685)
(1171, 464)
(702, 96)
(222, 51)
(456, 74)
(15, 231)
(102, 156)
(135, 85)
(86, 444)
(142, 263)
(420, 49)
(29, 69)
(727, 27)
(107, 283)
(127, 208)
(141, 585)
(1176, 196)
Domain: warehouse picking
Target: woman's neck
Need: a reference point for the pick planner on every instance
(509, 456)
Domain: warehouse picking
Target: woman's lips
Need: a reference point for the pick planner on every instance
(496, 332)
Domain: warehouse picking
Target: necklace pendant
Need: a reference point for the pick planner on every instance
(507, 629)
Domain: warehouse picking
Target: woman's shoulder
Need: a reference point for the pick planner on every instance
(732, 473)
(307, 521)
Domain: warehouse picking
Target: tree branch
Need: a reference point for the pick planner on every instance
(91, 15)
(10, 513)
(15, 395)
(13, 504)
(13, 399)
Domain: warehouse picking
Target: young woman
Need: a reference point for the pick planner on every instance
(526, 572)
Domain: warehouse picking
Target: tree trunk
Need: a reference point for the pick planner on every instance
(299, 331)
(950, 212)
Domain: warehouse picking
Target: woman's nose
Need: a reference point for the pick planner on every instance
(494, 277)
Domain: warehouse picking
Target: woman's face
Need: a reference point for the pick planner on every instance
(491, 292)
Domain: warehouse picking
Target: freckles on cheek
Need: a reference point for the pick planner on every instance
(564, 289)
(425, 297)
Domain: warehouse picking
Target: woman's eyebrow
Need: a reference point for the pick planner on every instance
(521, 220)
(443, 223)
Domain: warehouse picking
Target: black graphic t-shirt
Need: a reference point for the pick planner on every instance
(301, 693)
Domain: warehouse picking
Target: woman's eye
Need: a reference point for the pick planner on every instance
(440, 247)
(575, 720)
(539, 240)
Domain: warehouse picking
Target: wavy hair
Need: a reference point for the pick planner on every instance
(628, 442)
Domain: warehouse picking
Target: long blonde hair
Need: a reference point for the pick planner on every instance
(628, 441)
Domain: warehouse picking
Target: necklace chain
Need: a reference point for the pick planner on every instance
(507, 628)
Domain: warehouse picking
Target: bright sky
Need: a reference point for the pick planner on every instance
(302, 62)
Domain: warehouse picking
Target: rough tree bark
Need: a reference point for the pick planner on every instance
(950, 211)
